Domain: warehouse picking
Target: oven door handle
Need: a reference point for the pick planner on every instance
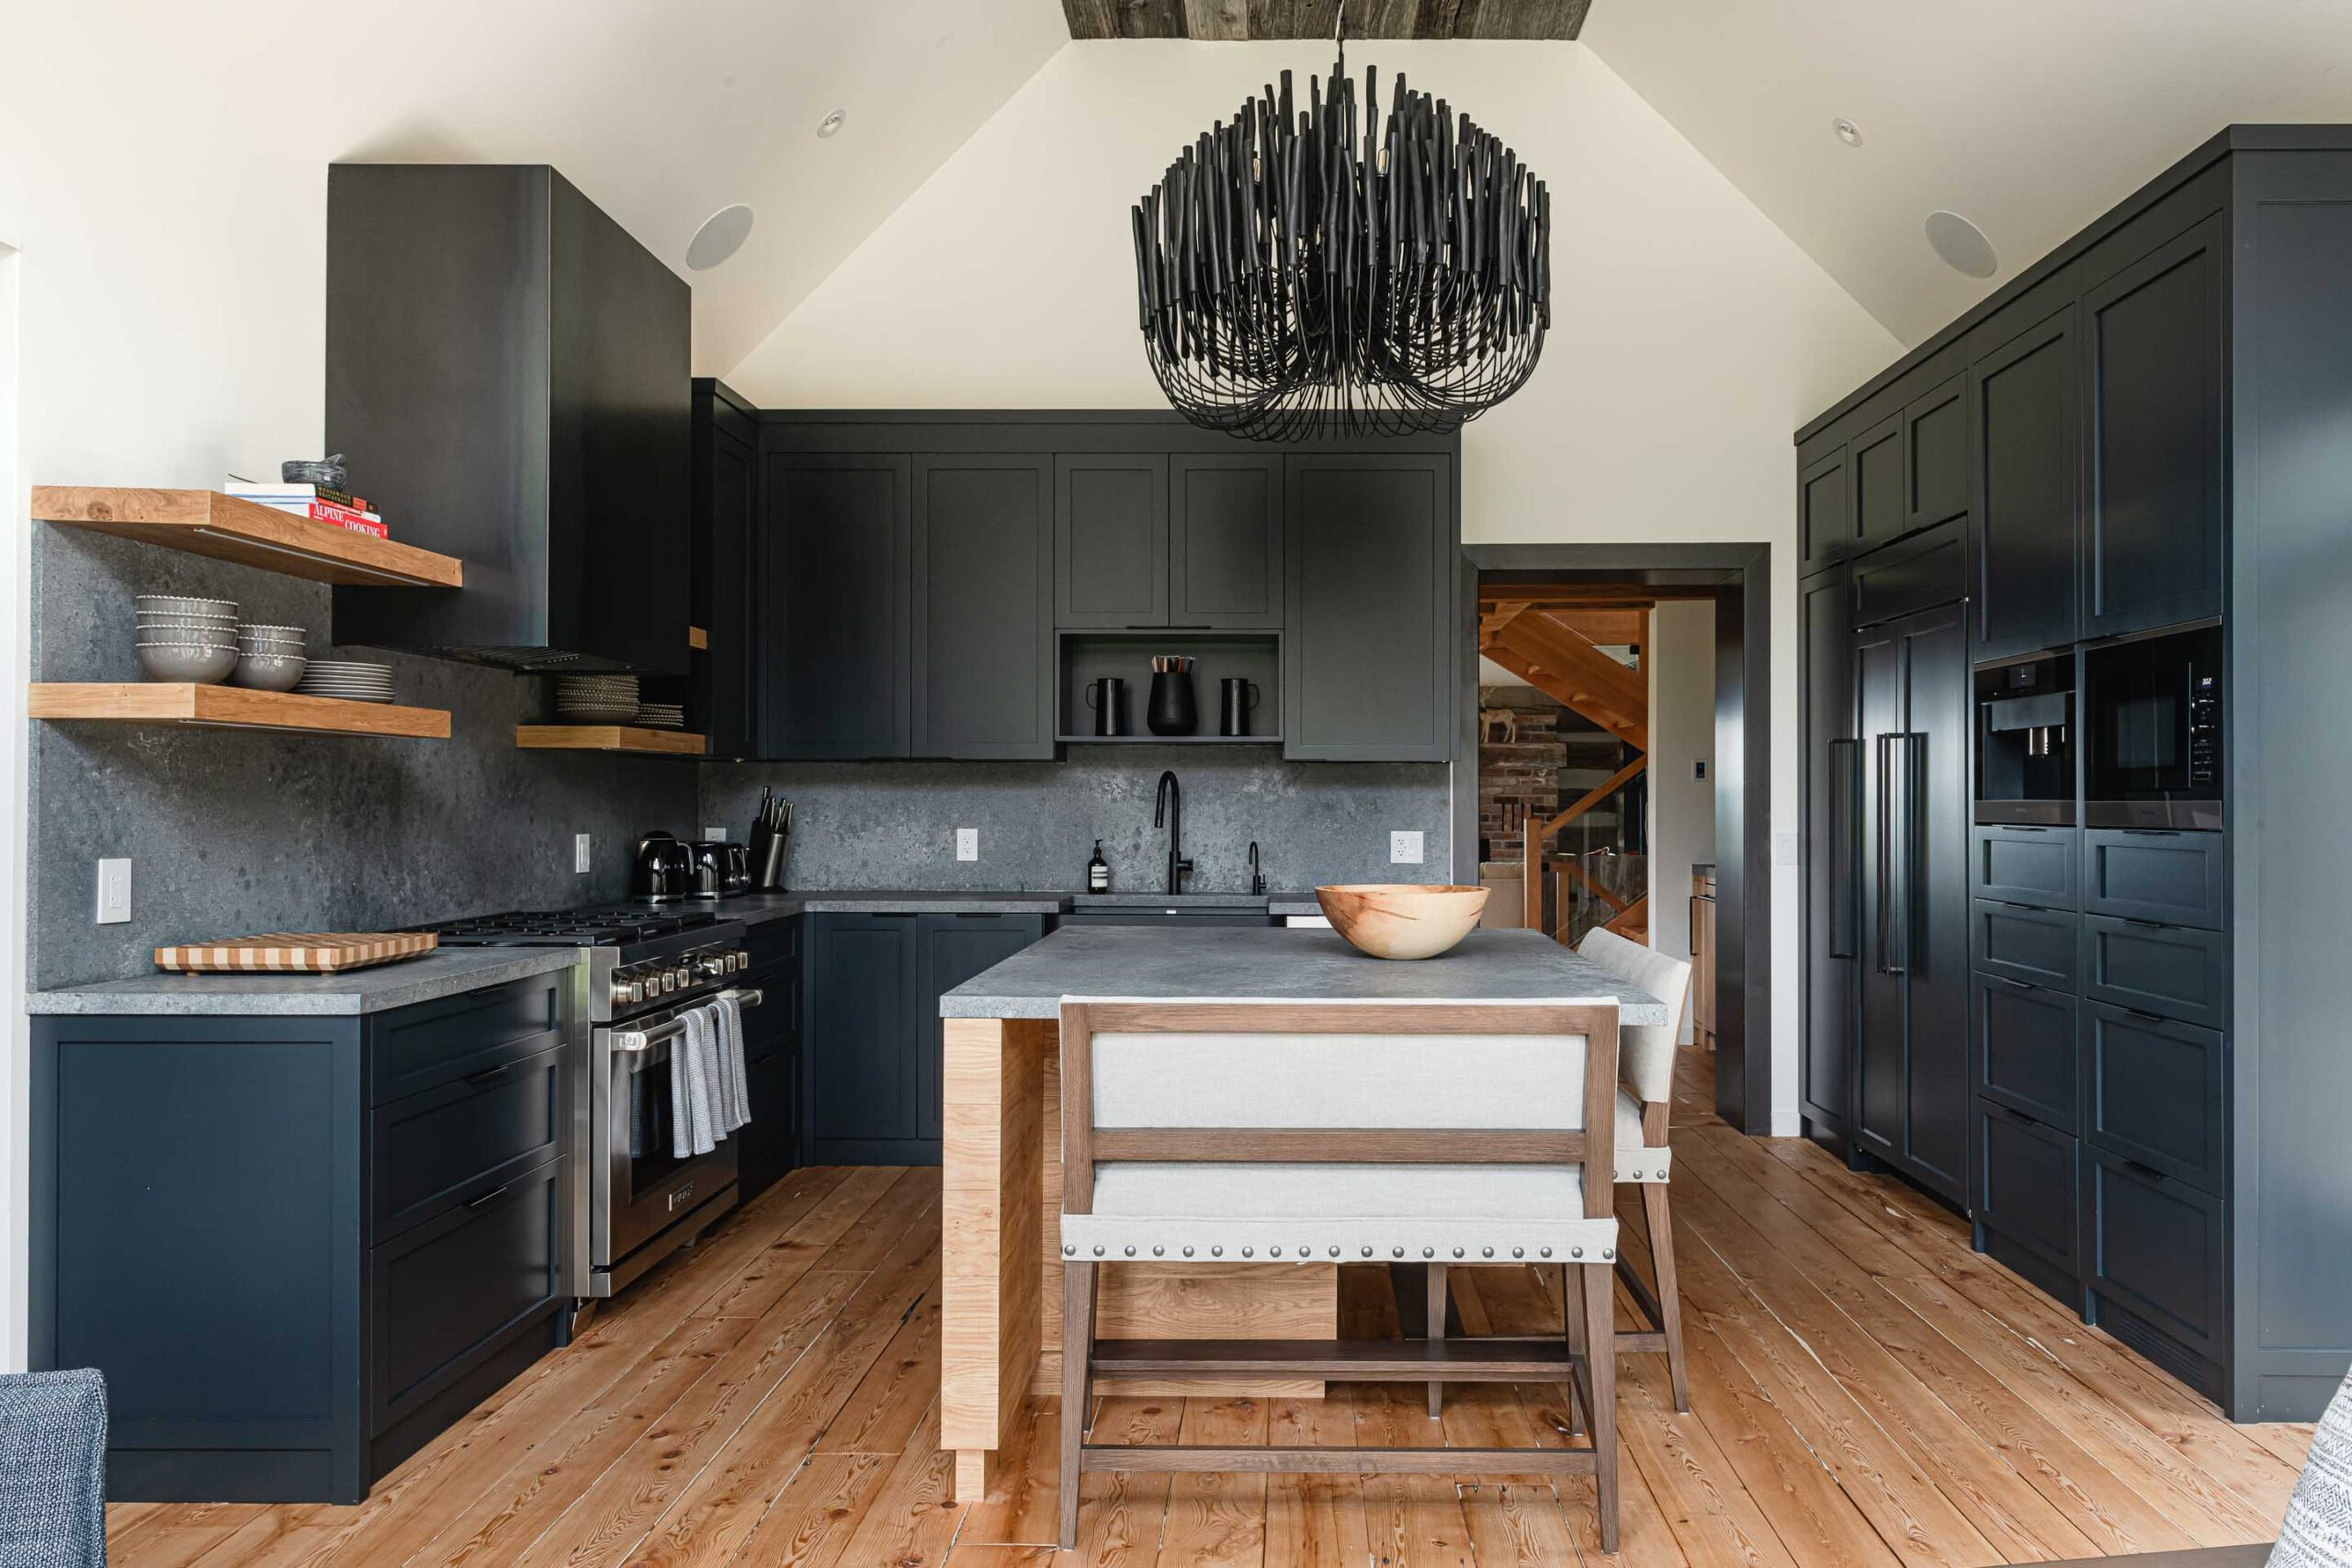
(646, 1039)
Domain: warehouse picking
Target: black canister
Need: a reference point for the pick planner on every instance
(1172, 709)
(1236, 696)
(1107, 696)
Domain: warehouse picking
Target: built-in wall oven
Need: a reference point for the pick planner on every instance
(2152, 730)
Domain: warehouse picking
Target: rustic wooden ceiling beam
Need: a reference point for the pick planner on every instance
(1240, 20)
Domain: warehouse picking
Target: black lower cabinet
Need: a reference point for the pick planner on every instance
(2155, 1266)
(873, 1041)
(2025, 1205)
(769, 1145)
(299, 1248)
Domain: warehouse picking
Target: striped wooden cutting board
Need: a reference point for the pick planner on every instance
(296, 953)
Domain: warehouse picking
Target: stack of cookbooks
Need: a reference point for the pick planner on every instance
(316, 501)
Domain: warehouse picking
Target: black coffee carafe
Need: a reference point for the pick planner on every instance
(1172, 709)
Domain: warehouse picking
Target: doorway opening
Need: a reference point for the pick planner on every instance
(1617, 733)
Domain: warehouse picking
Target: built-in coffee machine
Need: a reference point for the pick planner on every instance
(2025, 734)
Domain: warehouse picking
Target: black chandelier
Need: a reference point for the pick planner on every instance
(1300, 275)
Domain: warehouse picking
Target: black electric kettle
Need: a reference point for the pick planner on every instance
(662, 870)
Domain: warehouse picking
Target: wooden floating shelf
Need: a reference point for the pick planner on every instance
(608, 738)
(229, 708)
(207, 523)
(1167, 739)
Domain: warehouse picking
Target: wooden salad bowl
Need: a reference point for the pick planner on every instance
(1402, 920)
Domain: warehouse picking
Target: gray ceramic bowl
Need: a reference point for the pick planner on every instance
(268, 671)
(172, 661)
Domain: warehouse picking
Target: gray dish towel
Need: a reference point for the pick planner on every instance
(732, 1074)
(694, 1091)
(53, 1470)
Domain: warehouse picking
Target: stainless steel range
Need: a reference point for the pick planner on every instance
(635, 1202)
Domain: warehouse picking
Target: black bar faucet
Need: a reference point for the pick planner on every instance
(1167, 810)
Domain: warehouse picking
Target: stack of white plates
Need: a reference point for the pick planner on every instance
(595, 699)
(352, 681)
(661, 715)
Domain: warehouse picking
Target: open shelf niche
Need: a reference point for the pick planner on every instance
(1081, 657)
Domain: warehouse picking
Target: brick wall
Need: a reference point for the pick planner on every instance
(1553, 757)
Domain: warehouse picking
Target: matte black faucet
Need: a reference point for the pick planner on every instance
(1167, 810)
(1256, 878)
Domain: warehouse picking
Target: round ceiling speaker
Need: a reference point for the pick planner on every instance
(1961, 244)
(720, 236)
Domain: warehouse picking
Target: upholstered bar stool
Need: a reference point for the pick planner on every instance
(1645, 1079)
(1263, 1132)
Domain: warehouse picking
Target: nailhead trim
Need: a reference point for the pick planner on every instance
(1575, 1252)
(1244, 1252)
(1070, 1249)
(1270, 1252)
(1216, 1252)
(1395, 1252)
(1486, 1252)
(1158, 1251)
(1098, 1250)
(1131, 1249)
(1335, 1251)
(1547, 1252)
(1428, 1252)
(1367, 1252)
(1457, 1252)
(1518, 1252)
(1188, 1252)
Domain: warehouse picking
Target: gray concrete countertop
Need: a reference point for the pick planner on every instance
(1132, 900)
(1235, 963)
(1281, 904)
(757, 908)
(444, 973)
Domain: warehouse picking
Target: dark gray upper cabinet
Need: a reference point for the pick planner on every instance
(1934, 455)
(1824, 509)
(1224, 541)
(983, 606)
(1367, 643)
(726, 530)
(2152, 538)
(1882, 510)
(834, 654)
(2029, 490)
(1110, 540)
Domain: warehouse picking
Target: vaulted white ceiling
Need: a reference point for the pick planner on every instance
(2027, 116)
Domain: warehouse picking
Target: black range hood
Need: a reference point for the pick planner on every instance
(507, 376)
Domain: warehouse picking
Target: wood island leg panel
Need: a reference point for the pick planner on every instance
(993, 1139)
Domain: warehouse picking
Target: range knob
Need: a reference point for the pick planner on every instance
(714, 965)
(627, 990)
(677, 978)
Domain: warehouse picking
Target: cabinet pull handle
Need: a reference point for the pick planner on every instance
(497, 1191)
(2137, 1169)
(491, 1075)
(2013, 984)
(2144, 1015)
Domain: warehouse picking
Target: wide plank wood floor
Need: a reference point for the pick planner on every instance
(1865, 1390)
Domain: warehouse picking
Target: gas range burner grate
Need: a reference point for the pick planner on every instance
(567, 928)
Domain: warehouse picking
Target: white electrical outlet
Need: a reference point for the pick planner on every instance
(711, 835)
(579, 853)
(114, 892)
(1404, 848)
(967, 843)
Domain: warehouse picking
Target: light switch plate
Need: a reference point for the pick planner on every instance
(579, 853)
(1404, 848)
(1784, 848)
(114, 892)
(1699, 770)
(967, 843)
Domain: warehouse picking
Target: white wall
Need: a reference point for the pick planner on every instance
(1691, 336)
(15, 669)
(1679, 658)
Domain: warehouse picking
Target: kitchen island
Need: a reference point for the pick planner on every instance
(1000, 1338)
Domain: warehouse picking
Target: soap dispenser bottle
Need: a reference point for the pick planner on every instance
(1098, 871)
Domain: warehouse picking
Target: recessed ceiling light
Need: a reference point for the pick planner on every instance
(1961, 244)
(721, 235)
(832, 124)
(1848, 131)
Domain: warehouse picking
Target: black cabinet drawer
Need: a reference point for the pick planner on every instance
(2157, 1249)
(2024, 865)
(437, 1149)
(421, 1048)
(774, 1024)
(2025, 1049)
(445, 1293)
(1918, 573)
(2153, 1092)
(772, 943)
(2172, 971)
(2137, 874)
(2027, 1187)
(2037, 946)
